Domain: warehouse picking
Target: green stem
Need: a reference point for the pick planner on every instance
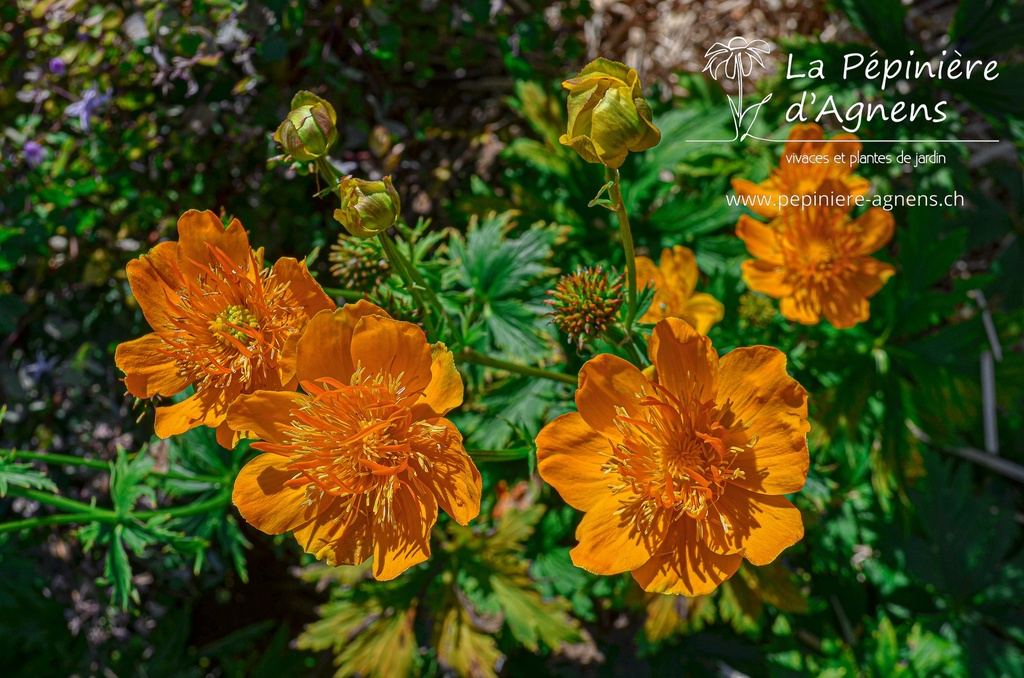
(511, 454)
(80, 512)
(615, 194)
(347, 295)
(403, 267)
(470, 356)
(69, 460)
(44, 521)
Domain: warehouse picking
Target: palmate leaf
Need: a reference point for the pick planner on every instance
(499, 274)
(367, 638)
(21, 475)
(465, 649)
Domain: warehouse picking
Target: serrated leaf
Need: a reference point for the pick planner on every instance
(22, 475)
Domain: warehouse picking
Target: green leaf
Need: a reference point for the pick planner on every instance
(21, 475)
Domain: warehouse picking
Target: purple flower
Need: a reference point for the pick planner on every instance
(57, 66)
(86, 108)
(34, 153)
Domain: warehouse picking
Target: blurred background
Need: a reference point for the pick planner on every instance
(116, 117)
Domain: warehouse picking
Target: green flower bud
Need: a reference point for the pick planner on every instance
(367, 207)
(310, 128)
(608, 115)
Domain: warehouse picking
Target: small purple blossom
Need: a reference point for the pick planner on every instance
(34, 153)
(87, 107)
(57, 66)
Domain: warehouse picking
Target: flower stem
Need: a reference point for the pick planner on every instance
(415, 283)
(615, 194)
(347, 295)
(80, 512)
(470, 356)
(70, 460)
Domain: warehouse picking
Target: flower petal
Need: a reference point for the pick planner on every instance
(325, 347)
(685, 565)
(767, 278)
(608, 382)
(402, 539)
(679, 265)
(610, 539)
(874, 230)
(199, 231)
(265, 413)
(265, 501)
(451, 475)
(686, 363)
(445, 390)
(702, 311)
(764, 200)
(570, 455)
(155, 280)
(207, 408)
(303, 290)
(764, 398)
(756, 526)
(393, 348)
(761, 240)
(148, 372)
(339, 532)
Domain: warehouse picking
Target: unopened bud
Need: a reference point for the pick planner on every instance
(367, 207)
(310, 129)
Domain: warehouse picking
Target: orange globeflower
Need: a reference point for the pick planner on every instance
(681, 476)
(675, 280)
(807, 161)
(359, 463)
(815, 260)
(221, 322)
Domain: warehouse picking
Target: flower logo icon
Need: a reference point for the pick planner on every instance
(736, 59)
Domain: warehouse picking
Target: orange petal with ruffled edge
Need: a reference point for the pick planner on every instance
(608, 382)
(336, 536)
(200, 231)
(207, 408)
(403, 539)
(766, 278)
(265, 501)
(685, 565)
(570, 455)
(874, 229)
(702, 311)
(764, 199)
(803, 307)
(148, 372)
(610, 541)
(649, 275)
(266, 414)
(324, 350)
(844, 306)
(679, 266)
(756, 526)
(686, 363)
(761, 239)
(451, 475)
(445, 391)
(395, 348)
(305, 291)
(155, 280)
(761, 394)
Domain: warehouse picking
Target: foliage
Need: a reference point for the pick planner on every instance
(123, 555)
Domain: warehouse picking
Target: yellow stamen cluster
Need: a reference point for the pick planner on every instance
(234, 321)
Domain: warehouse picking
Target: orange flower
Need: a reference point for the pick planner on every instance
(221, 322)
(359, 463)
(681, 476)
(815, 260)
(675, 280)
(802, 178)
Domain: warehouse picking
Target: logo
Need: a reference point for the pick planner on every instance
(735, 59)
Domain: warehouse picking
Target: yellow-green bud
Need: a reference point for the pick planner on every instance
(367, 207)
(310, 129)
(608, 114)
